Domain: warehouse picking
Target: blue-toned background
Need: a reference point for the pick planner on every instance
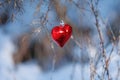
(25, 48)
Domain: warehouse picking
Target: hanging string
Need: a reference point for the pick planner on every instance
(62, 23)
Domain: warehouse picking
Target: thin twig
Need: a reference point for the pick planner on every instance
(78, 6)
(95, 12)
(50, 40)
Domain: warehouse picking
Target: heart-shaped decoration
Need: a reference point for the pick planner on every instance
(61, 34)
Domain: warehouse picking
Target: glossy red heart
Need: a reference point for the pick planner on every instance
(61, 34)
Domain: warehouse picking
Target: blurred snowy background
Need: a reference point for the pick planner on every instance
(27, 51)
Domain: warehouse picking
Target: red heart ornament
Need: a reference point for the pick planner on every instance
(61, 34)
